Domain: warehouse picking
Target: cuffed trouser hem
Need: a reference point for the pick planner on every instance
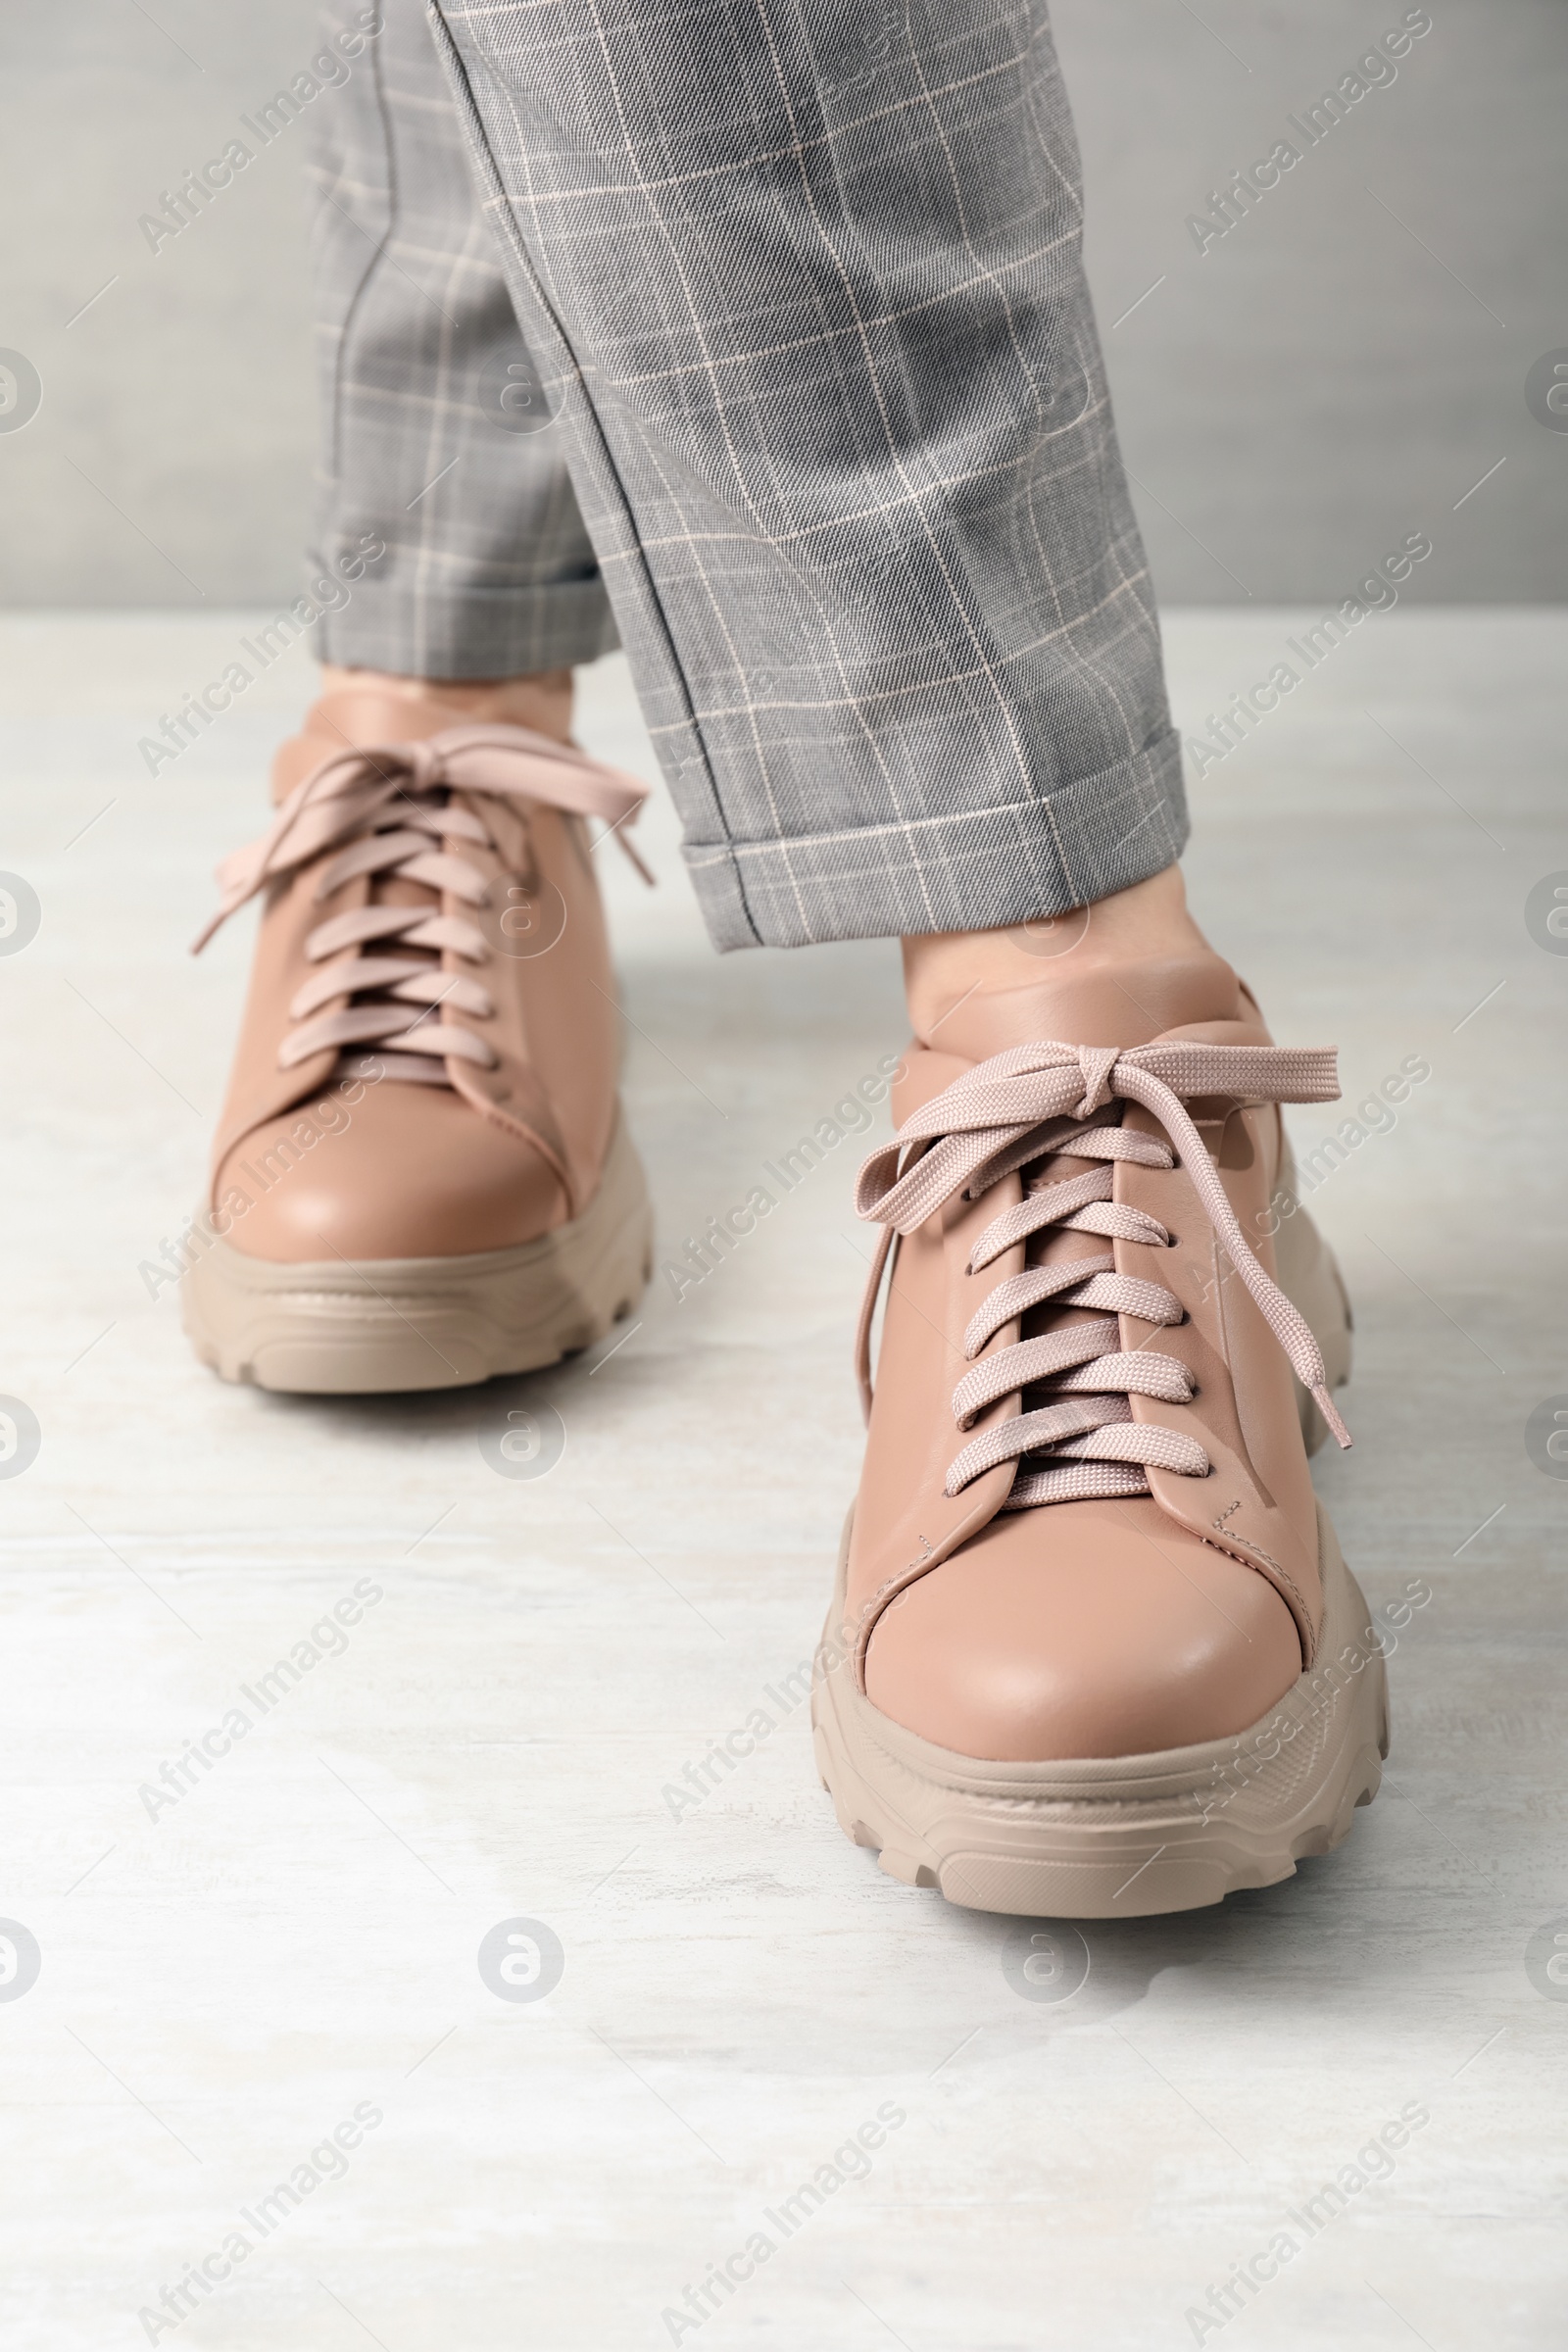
(398, 626)
(972, 871)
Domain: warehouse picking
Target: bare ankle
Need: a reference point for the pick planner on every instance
(541, 699)
(1145, 922)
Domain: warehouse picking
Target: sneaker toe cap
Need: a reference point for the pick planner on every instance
(1083, 1630)
(413, 1171)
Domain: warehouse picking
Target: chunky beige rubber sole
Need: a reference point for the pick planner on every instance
(384, 1324)
(1125, 1837)
(1122, 1837)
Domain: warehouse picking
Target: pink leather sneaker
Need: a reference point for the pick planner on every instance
(421, 1177)
(1094, 1650)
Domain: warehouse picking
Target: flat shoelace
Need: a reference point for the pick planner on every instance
(389, 811)
(1034, 1103)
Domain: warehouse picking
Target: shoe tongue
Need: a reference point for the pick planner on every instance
(356, 716)
(1138, 1001)
(339, 722)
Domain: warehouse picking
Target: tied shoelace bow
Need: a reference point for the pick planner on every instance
(388, 809)
(1030, 1105)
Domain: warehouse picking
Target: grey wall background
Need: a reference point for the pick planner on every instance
(1335, 372)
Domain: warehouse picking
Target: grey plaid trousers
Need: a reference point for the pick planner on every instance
(760, 325)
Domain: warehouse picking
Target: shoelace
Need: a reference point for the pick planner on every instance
(1029, 1105)
(388, 809)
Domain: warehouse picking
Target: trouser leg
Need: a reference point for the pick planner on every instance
(805, 286)
(425, 385)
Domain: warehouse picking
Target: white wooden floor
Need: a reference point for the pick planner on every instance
(264, 2070)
